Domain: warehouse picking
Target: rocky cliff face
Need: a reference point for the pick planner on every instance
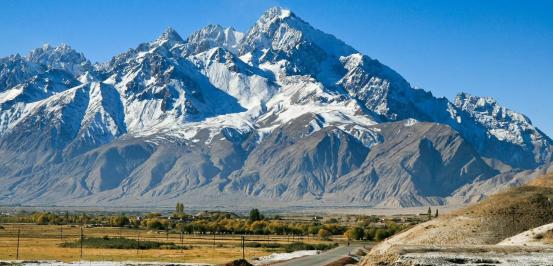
(281, 115)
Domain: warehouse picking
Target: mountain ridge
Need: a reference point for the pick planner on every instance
(282, 112)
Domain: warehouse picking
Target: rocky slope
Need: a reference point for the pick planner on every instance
(283, 114)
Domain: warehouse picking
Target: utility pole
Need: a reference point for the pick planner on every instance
(17, 250)
(61, 232)
(181, 238)
(138, 241)
(82, 238)
(513, 212)
(243, 247)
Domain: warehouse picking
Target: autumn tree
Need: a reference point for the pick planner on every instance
(119, 221)
(324, 234)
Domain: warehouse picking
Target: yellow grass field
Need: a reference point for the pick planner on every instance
(42, 242)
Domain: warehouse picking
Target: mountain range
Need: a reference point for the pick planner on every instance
(282, 115)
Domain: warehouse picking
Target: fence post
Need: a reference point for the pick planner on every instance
(17, 250)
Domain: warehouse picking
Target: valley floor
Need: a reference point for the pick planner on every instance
(42, 243)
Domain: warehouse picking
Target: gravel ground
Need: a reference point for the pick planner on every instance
(440, 258)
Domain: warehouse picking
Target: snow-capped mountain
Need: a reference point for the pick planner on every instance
(283, 114)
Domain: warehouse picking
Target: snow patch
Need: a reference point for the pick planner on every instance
(284, 256)
(528, 238)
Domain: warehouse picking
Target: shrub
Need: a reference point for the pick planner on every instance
(295, 246)
(120, 243)
(154, 224)
(262, 245)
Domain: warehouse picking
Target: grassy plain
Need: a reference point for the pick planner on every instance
(43, 242)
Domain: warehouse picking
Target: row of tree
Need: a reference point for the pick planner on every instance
(243, 226)
(368, 228)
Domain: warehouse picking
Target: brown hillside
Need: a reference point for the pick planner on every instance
(486, 223)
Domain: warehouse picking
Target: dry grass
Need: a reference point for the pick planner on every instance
(544, 181)
(547, 238)
(42, 242)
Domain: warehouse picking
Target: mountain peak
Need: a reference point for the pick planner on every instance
(213, 35)
(276, 12)
(502, 122)
(46, 47)
(60, 57)
(465, 98)
(281, 30)
(170, 35)
(271, 17)
(488, 106)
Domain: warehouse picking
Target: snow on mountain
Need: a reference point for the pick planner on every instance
(279, 35)
(503, 123)
(16, 69)
(61, 57)
(284, 112)
(213, 36)
(52, 123)
(38, 87)
(46, 69)
(43, 73)
(103, 119)
(249, 85)
(302, 95)
(159, 87)
(281, 30)
(506, 127)
(390, 97)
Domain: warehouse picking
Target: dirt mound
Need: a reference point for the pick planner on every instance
(343, 261)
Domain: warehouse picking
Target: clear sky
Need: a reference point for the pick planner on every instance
(496, 48)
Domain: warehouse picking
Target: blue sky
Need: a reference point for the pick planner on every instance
(496, 48)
